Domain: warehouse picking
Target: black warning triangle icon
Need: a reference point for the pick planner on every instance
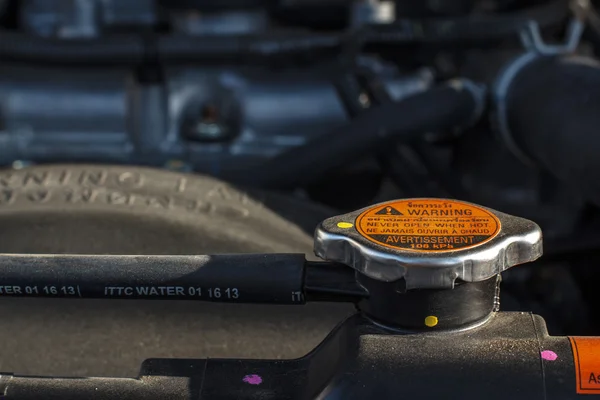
(388, 211)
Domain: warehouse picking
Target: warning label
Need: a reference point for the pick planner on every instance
(586, 356)
(428, 225)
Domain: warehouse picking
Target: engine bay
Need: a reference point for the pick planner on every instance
(174, 127)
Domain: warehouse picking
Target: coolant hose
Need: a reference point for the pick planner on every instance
(450, 106)
(115, 49)
(553, 117)
(127, 49)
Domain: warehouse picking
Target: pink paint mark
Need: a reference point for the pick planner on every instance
(549, 355)
(253, 379)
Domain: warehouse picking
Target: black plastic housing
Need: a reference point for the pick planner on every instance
(499, 360)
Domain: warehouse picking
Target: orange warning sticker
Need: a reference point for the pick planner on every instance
(428, 225)
(586, 355)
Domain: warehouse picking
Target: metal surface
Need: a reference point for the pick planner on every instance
(83, 18)
(221, 23)
(109, 116)
(466, 306)
(519, 241)
(372, 12)
(532, 40)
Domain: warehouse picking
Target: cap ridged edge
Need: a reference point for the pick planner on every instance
(519, 241)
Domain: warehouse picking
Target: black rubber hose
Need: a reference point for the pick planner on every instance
(434, 110)
(136, 49)
(552, 114)
(182, 48)
(470, 28)
(116, 49)
(229, 278)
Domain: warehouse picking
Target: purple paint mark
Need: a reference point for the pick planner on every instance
(253, 379)
(549, 355)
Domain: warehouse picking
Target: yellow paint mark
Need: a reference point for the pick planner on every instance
(431, 321)
(344, 225)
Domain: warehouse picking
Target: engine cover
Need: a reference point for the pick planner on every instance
(127, 210)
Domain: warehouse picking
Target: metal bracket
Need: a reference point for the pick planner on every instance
(532, 40)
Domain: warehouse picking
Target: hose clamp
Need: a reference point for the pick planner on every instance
(536, 48)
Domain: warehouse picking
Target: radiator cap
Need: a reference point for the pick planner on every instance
(430, 243)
